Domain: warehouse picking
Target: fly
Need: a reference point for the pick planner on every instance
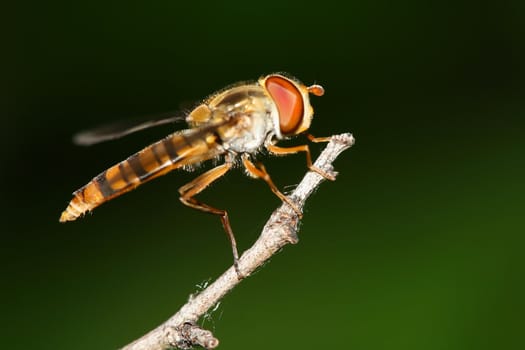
(233, 125)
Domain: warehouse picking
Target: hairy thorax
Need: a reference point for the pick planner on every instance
(251, 110)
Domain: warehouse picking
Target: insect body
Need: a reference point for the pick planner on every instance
(235, 124)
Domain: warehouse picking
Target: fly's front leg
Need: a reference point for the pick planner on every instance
(187, 193)
(318, 139)
(303, 148)
(260, 172)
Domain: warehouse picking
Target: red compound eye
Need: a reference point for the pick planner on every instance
(289, 101)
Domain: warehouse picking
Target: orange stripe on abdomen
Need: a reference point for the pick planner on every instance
(155, 160)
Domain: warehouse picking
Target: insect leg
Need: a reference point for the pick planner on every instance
(188, 191)
(302, 148)
(318, 139)
(260, 172)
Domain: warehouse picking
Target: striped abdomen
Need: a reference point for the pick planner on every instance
(155, 160)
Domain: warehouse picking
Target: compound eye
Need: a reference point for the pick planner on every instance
(289, 103)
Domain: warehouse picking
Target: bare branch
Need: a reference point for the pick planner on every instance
(181, 331)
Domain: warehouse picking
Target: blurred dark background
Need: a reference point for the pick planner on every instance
(417, 245)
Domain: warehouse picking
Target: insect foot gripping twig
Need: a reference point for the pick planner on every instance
(180, 330)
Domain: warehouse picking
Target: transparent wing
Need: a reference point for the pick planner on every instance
(122, 128)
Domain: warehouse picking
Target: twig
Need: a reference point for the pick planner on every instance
(181, 331)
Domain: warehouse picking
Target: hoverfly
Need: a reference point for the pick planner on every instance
(232, 125)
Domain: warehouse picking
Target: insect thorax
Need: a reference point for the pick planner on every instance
(251, 110)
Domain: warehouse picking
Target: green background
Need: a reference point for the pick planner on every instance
(417, 245)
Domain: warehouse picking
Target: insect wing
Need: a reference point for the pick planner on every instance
(122, 128)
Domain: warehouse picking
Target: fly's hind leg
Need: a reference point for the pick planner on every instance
(187, 193)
